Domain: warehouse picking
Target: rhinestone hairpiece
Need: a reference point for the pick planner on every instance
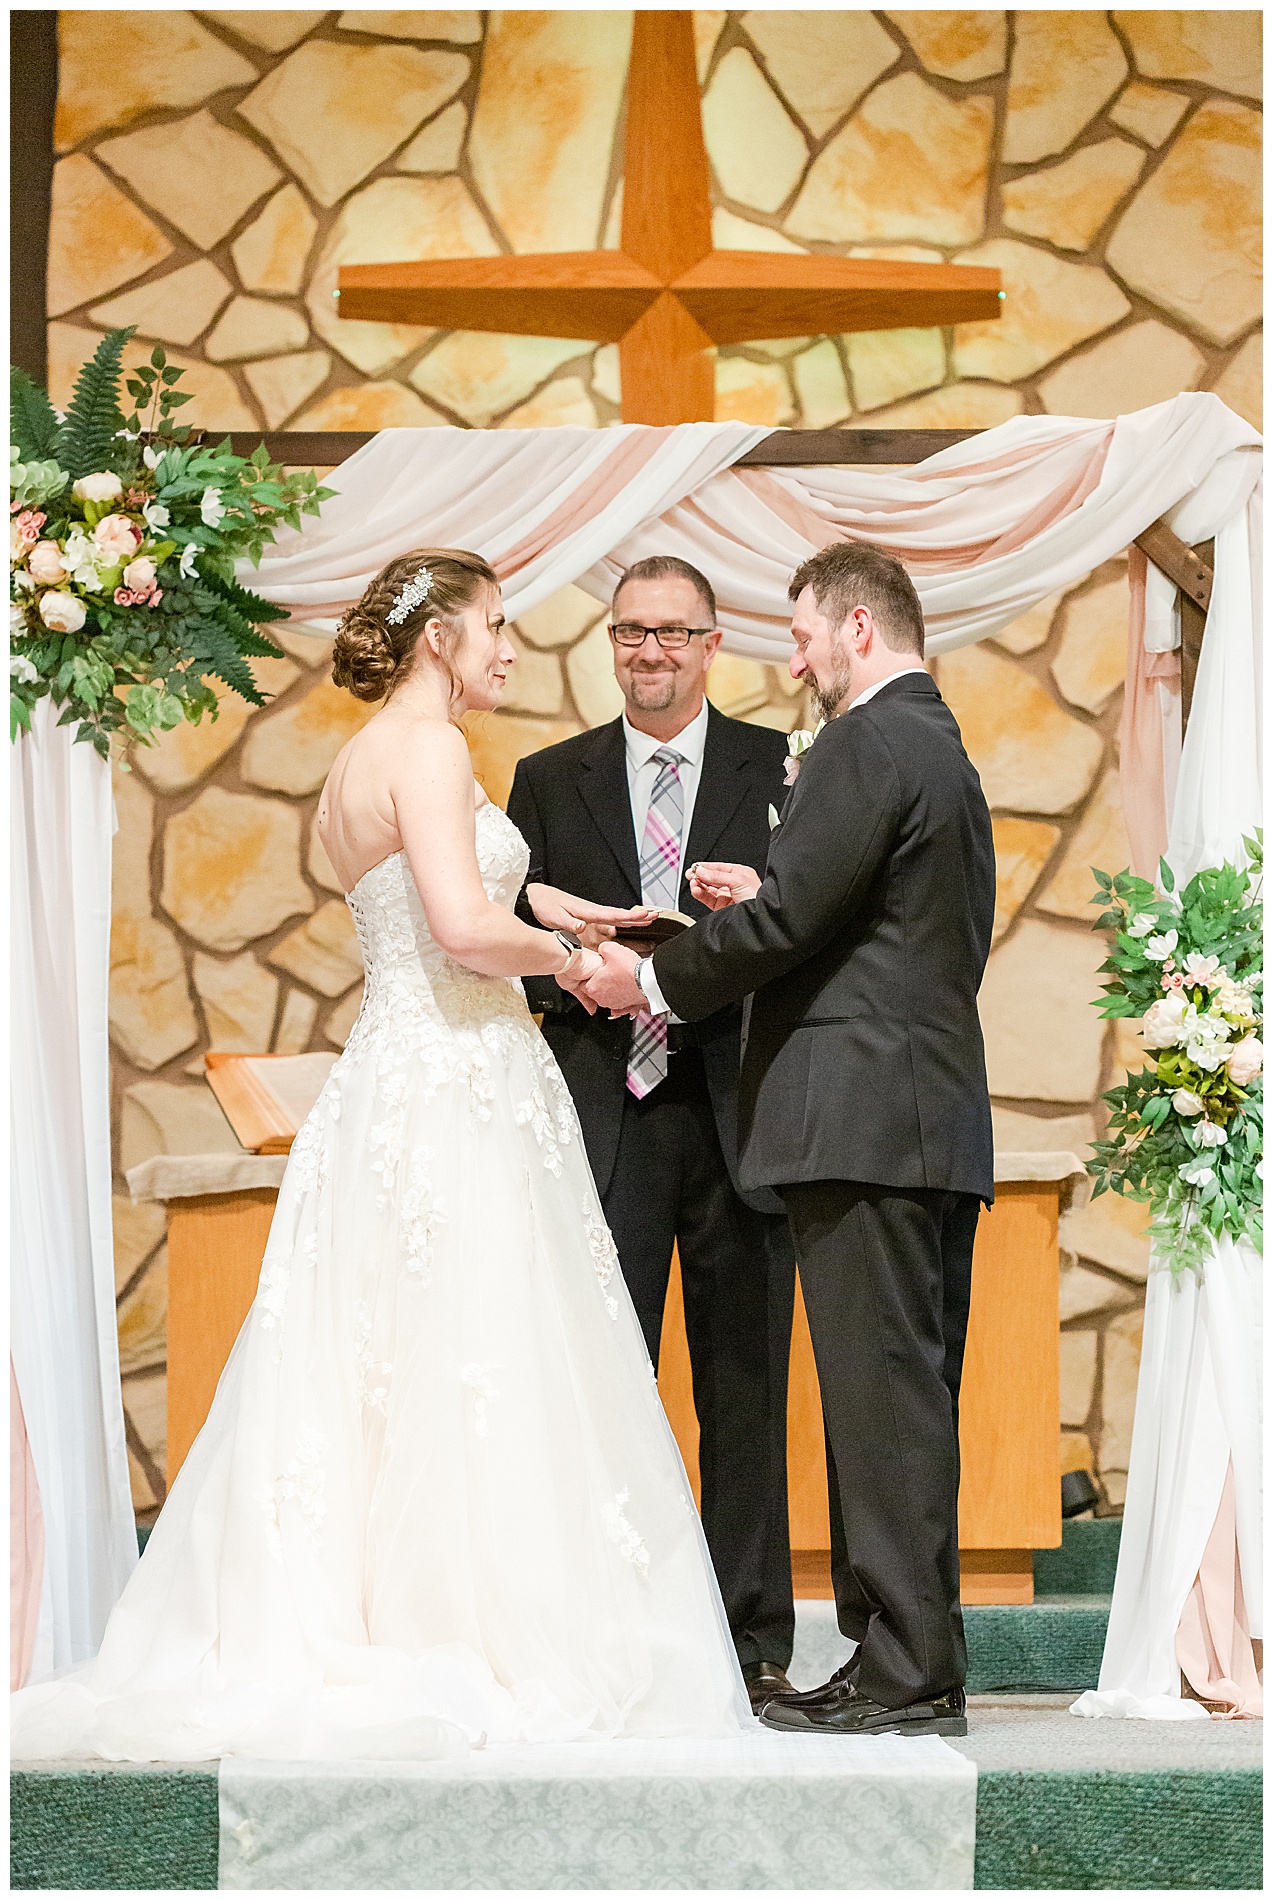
(411, 596)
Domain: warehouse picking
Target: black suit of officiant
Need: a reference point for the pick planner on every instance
(863, 1098)
(666, 1166)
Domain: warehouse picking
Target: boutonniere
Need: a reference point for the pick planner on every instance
(798, 744)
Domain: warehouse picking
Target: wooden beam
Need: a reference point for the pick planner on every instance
(667, 204)
(1192, 569)
(740, 295)
(1193, 625)
(594, 295)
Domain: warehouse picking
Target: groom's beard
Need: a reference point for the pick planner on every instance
(830, 693)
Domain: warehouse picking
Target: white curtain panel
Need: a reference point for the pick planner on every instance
(65, 1350)
(1199, 1400)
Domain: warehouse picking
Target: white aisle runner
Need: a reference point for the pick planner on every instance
(766, 1811)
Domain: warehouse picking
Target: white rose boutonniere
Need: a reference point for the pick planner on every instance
(798, 744)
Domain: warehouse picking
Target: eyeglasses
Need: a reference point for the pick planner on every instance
(628, 634)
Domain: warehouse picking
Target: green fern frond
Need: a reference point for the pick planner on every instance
(217, 652)
(244, 601)
(33, 423)
(86, 439)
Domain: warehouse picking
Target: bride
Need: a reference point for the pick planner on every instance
(436, 1499)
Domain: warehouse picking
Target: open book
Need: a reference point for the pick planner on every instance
(643, 938)
(265, 1099)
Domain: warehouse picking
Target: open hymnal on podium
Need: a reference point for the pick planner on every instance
(265, 1099)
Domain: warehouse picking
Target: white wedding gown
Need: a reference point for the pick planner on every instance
(436, 1499)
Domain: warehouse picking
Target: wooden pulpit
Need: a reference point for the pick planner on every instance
(219, 1212)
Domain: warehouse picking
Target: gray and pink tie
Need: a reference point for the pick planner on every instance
(660, 887)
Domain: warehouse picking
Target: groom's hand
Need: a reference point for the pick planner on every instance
(614, 986)
(720, 885)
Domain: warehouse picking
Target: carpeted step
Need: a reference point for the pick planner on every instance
(1084, 1565)
(1052, 1644)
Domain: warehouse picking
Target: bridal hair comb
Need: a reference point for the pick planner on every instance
(411, 596)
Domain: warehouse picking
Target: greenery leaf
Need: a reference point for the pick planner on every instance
(33, 424)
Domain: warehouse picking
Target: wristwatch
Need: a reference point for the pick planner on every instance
(569, 943)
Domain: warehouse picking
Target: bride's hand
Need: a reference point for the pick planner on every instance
(583, 966)
(593, 924)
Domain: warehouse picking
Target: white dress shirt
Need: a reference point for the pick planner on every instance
(645, 969)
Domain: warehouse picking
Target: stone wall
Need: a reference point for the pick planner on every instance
(216, 168)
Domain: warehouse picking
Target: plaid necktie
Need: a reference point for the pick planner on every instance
(660, 886)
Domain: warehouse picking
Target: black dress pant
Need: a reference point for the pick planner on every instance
(670, 1185)
(885, 1274)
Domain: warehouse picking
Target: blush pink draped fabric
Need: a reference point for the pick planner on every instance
(1213, 1643)
(26, 1542)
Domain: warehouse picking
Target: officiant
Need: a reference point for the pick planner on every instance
(657, 1100)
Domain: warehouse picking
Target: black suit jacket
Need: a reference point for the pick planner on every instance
(864, 948)
(571, 804)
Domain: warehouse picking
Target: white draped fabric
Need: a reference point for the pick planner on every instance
(1198, 1403)
(65, 1353)
(988, 528)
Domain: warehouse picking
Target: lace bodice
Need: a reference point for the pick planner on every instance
(399, 952)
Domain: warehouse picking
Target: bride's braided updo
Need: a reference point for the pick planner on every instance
(374, 652)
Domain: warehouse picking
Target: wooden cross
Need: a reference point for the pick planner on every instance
(666, 296)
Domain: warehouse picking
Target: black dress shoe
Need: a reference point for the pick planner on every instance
(806, 1698)
(764, 1681)
(841, 1709)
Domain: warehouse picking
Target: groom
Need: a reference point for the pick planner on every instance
(863, 1101)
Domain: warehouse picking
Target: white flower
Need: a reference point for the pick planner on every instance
(46, 564)
(1234, 1000)
(62, 613)
(21, 669)
(1141, 924)
(1200, 969)
(140, 574)
(1246, 1061)
(81, 558)
(1197, 1173)
(1156, 948)
(211, 507)
(103, 487)
(186, 566)
(150, 457)
(1185, 1102)
(1163, 1025)
(1209, 1135)
(802, 738)
(155, 515)
(1204, 1037)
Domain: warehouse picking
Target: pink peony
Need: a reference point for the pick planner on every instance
(116, 537)
(140, 574)
(1246, 1061)
(45, 564)
(1163, 1027)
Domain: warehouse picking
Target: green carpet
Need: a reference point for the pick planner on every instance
(1085, 1563)
(111, 1827)
(1048, 1644)
(1080, 1829)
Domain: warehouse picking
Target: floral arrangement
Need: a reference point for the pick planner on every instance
(798, 743)
(1186, 1133)
(124, 532)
